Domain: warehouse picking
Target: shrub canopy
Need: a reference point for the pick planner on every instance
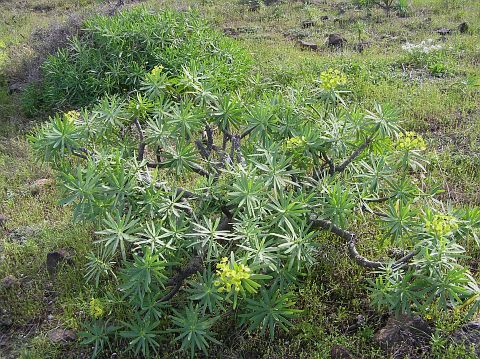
(112, 55)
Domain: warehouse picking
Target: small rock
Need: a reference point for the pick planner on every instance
(6, 321)
(463, 27)
(15, 87)
(55, 258)
(469, 335)
(336, 40)
(307, 45)
(403, 335)
(360, 46)
(307, 24)
(21, 234)
(254, 5)
(8, 282)
(61, 335)
(230, 31)
(339, 352)
(3, 221)
(443, 31)
(39, 185)
(50, 317)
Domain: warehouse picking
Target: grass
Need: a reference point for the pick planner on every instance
(445, 109)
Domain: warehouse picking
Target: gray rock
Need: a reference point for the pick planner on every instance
(469, 336)
(55, 258)
(404, 335)
(339, 352)
(336, 40)
(307, 24)
(8, 282)
(61, 335)
(463, 27)
(21, 234)
(307, 45)
(40, 185)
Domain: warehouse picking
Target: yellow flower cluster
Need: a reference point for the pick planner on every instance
(332, 79)
(295, 146)
(294, 143)
(72, 115)
(410, 141)
(441, 224)
(96, 308)
(230, 277)
(156, 70)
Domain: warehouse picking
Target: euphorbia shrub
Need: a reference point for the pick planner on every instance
(209, 203)
(112, 54)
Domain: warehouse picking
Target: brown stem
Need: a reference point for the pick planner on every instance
(201, 149)
(193, 266)
(142, 144)
(247, 132)
(355, 154)
(209, 132)
(351, 240)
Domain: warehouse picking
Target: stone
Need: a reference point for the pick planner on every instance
(8, 282)
(443, 31)
(339, 352)
(55, 258)
(336, 40)
(3, 221)
(21, 234)
(469, 335)
(307, 45)
(61, 335)
(463, 27)
(39, 185)
(404, 335)
(307, 24)
(15, 87)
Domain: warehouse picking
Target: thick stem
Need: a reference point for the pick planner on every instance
(351, 240)
(236, 149)
(193, 266)
(202, 150)
(142, 144)
(355, 154)
(209, 132)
